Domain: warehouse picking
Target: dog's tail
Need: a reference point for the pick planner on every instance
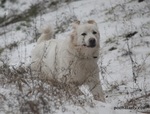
(47, 34)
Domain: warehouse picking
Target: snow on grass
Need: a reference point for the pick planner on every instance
(17, 57)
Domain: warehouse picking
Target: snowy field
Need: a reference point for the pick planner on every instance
(124, 61)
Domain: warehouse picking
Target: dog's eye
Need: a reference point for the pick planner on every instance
(83, 34)
(94, 32)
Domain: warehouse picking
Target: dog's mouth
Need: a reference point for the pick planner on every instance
(86, 46)
(89, 46)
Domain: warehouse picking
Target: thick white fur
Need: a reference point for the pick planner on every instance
(47, 34)
(70, 61)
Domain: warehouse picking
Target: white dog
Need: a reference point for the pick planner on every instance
(73, 60)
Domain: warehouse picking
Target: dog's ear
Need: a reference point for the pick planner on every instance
(75, 24)
(73, 37)
(91, 22)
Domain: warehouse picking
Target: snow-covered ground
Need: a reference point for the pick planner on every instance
(124, 62)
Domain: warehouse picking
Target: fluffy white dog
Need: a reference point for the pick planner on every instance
(73, 60)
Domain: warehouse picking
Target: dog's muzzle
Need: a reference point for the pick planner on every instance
(92, 42)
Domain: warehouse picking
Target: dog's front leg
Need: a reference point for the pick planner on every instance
(74, 89)
(96, 88)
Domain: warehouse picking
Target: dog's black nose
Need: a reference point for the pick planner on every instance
(92, 42)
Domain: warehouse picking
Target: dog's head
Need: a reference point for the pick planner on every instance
(85, 35)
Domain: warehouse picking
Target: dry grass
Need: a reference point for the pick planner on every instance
(34, 95)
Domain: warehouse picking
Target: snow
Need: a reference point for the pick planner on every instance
(24, 58)
(115, 19)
